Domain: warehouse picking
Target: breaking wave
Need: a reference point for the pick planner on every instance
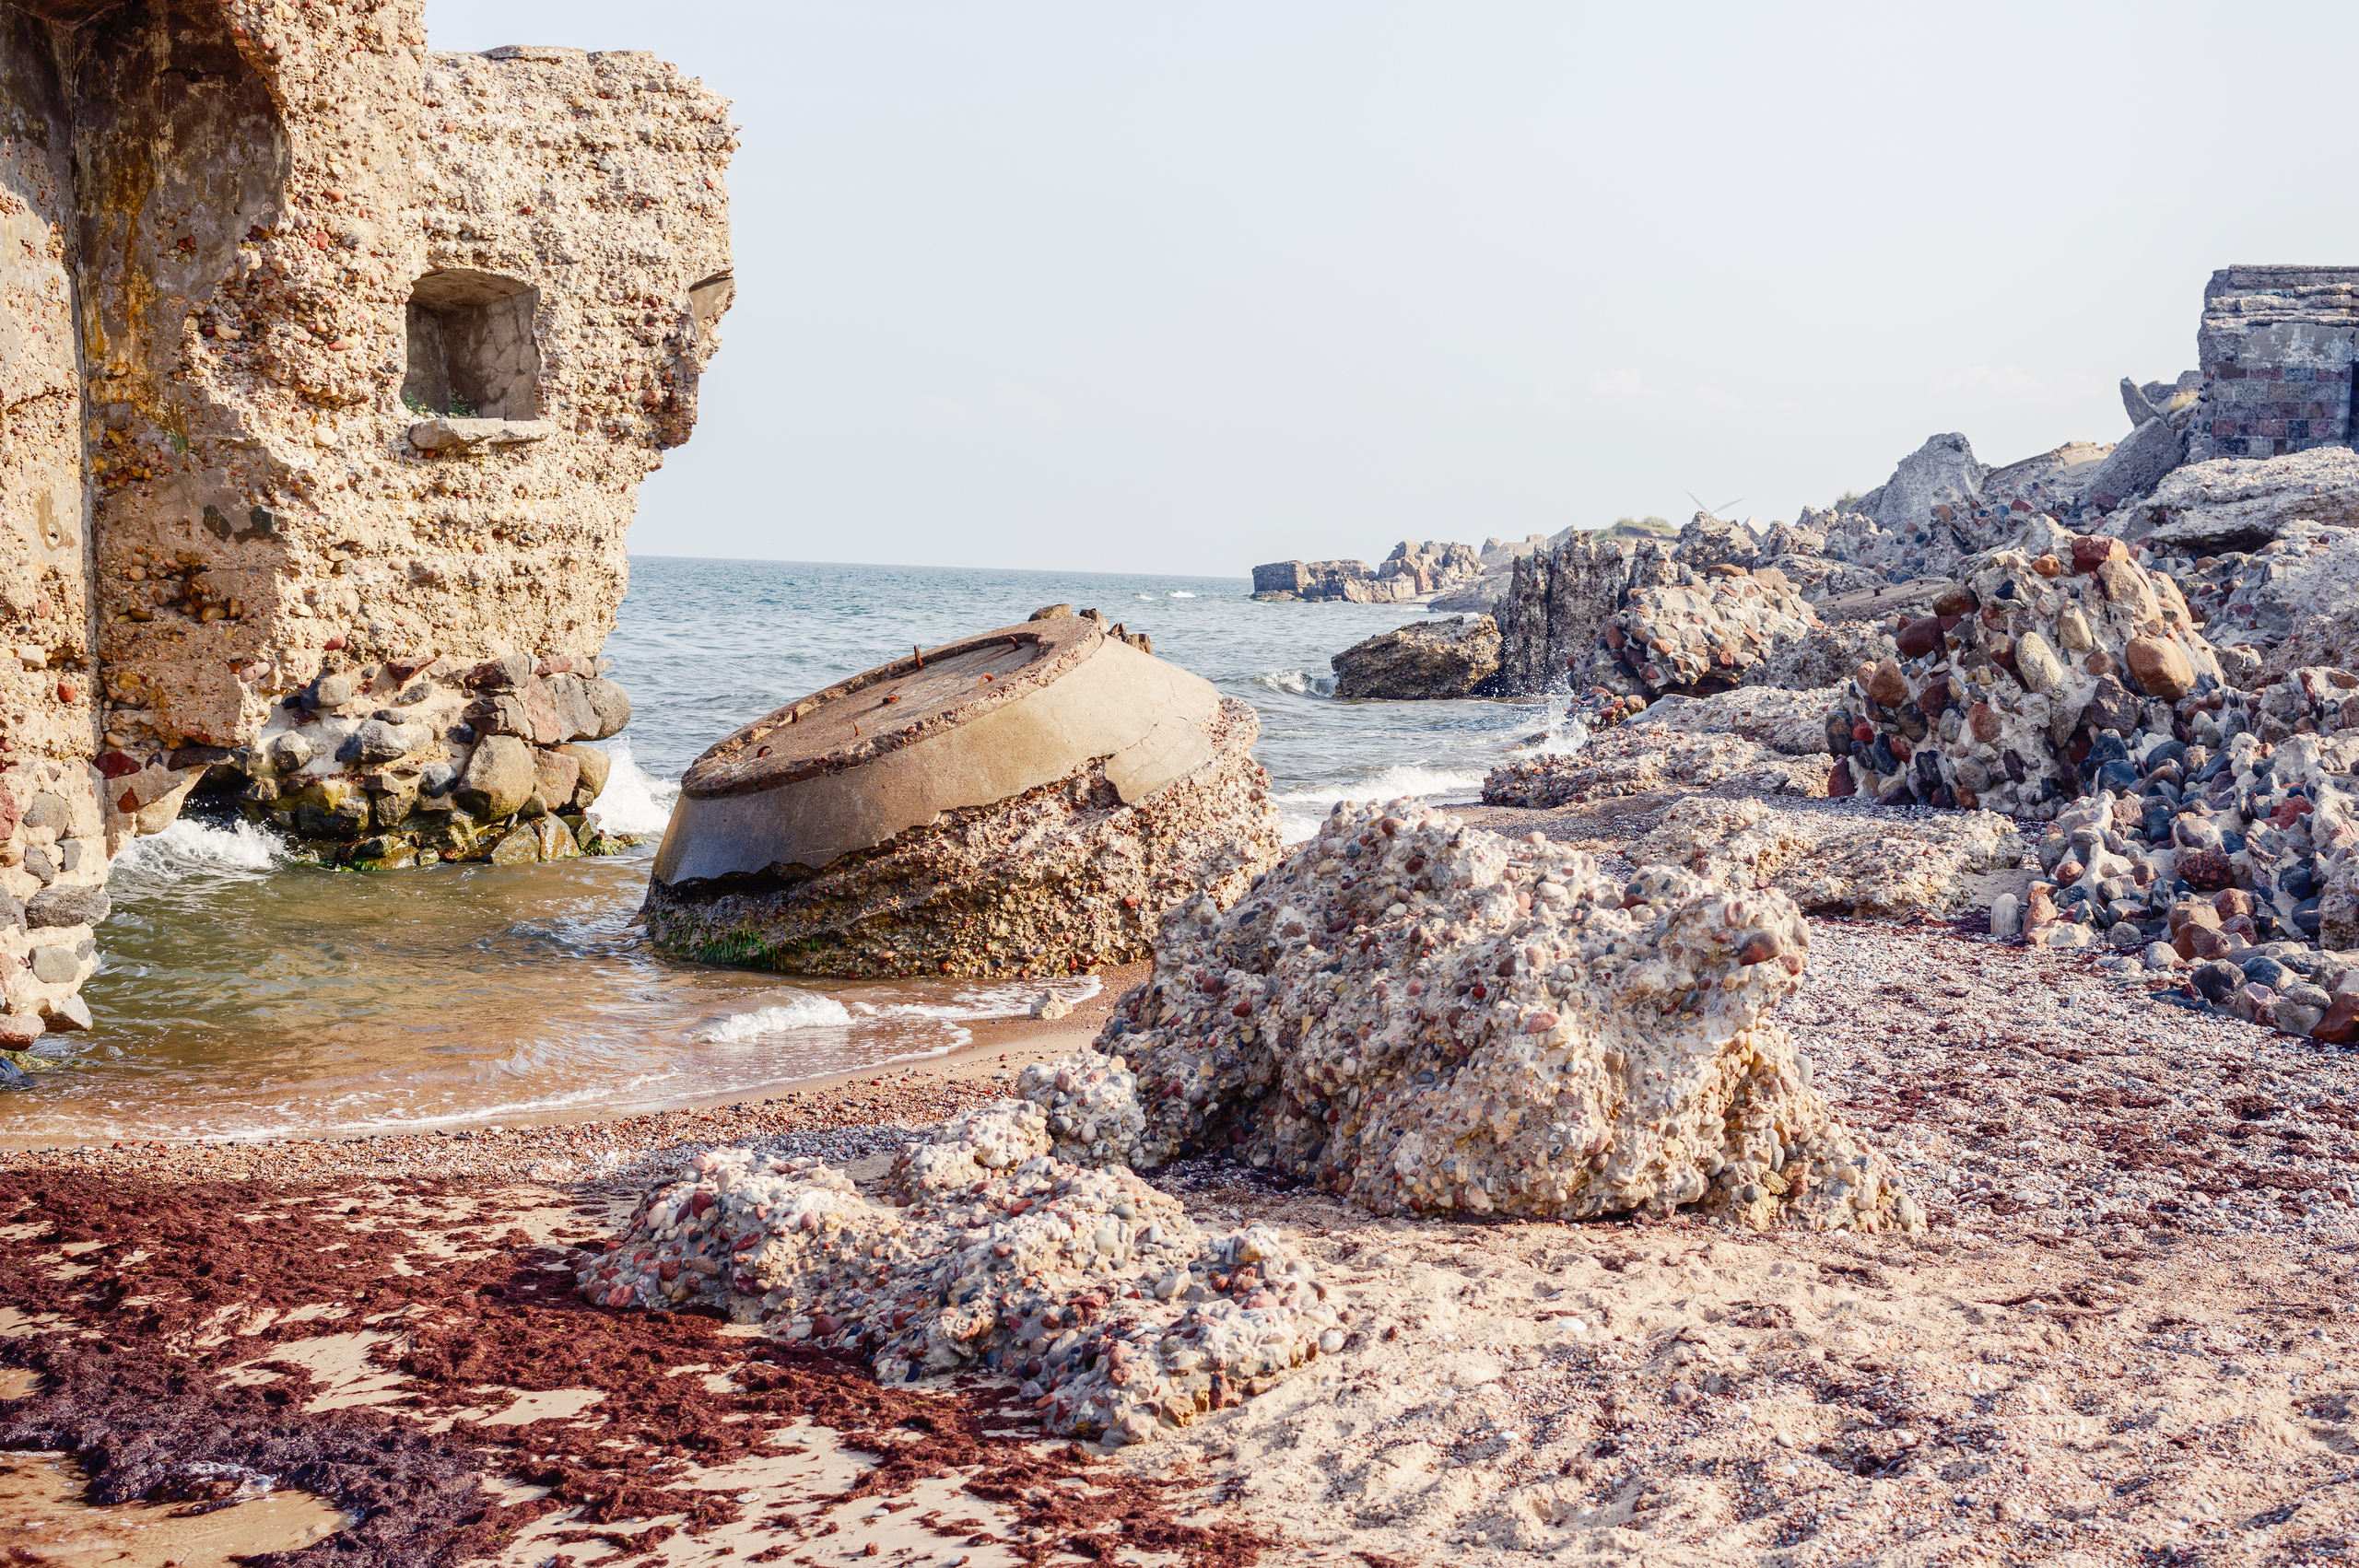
(634, 799)
(1301, 810)
(192, 848)
(1302, 683)
(802, 1010)
(989, 1002)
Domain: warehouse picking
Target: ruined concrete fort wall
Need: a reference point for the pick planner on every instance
(2277, 343)
(330, 368)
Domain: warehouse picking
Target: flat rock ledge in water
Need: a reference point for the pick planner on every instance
(1458, 656)
(1425, 1017)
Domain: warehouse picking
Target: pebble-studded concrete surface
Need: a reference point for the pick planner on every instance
(2018, 1089)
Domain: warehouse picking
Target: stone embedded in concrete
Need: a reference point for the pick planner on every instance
(66, 907)
(2006, 711)
(498, 777)
(1031, 797)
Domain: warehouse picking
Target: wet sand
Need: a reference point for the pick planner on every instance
(927, 1091)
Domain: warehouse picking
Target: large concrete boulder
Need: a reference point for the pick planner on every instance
(1650, 760)
(1867, 867)
(2136, 466)
(1698, 637)
(1943, 471)
(1556, 600)
(1442, 658)
(1029, 800)
(1425, 1017)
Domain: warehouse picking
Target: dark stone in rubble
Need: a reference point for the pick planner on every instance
(66, 907)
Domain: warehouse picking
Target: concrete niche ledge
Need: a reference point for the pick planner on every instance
(462, 436)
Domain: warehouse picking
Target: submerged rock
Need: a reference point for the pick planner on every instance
(1425, 1017)
(1032, 799)
(1427, 659)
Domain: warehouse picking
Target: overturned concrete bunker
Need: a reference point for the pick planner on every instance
(1029, 800)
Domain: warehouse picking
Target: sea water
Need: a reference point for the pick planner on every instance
(242, 995)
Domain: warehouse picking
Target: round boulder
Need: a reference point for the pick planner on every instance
(1031, 799)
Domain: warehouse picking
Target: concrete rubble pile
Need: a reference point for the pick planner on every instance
(1730, 607)
(1420, 1016)
(1703, 638)
(1632, 761)
(402, 764)
(991, 1250)
(2030, 670)
(1760, 739)
(2269, 822)
(1792, 722)
(1425, 1017)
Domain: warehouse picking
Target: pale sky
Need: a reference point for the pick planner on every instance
(1184, 288)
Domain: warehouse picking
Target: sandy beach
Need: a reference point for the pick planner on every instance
(2096, 1353)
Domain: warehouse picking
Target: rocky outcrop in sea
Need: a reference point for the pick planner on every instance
(1426, 659)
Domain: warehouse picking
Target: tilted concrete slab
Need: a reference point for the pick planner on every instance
(965, 724)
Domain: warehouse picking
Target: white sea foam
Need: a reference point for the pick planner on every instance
(191, 848)
(1302, 683)
(802, 1010)
(1014, 1000)
(1179, 593)
(634, 799)
(1563, 735)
